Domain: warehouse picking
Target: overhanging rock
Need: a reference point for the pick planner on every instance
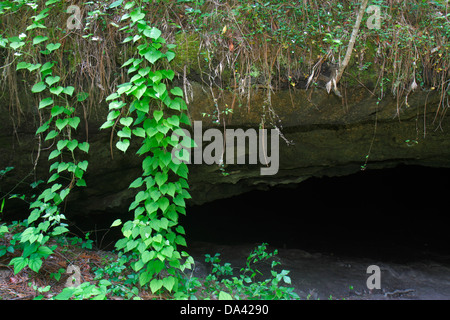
(320, 135)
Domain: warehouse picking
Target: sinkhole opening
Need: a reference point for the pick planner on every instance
(397, 214)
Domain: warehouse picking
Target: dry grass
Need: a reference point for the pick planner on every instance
(20, 286)
(245, 46)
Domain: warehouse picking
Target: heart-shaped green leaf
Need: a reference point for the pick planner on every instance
(170, 55)
(156, 76)
(62, 144)
(52, 134)
(157, 114)
(62, 166)
(165, 158)
(57, 110)
(156, 284)
(39, 39)
(61, 123)
(83, 165)
(23, 65)
(81, 183)
(161, 178)
(81, 96)
(143, 106)
(112, 96)
(139, 91)
(53, 46)
(45, 102)
(135, 78)
(43, 14)
(16, 45)
(152, 33)
(137, 15)
(151, 206)
(144, 71)
(124, 133)
(56, 187)
(43, 128)
(84, 146)
(136, 38)
(68, 90)
(79, 173)
(153, 55)
(72, 144)
(54, 154)
(64, 193)
(160, 89)
(123, 145)
(141, 196)
(136, 183)
(116, 104)
(54, 177)
(38, 87)
(163, 128)
(126, 121)
(112, 115)
(163, 203)
(139, 132)
(74, 122)
(174, 104)
(169, 74)
(57, 90)
(50, 80)
(47, 67)
(124, 87)
(179, 200)
(116, 223)
(129, 5)
(107, 124)
(33, 67)
(177, 91)
(155, 194)
(174, 120)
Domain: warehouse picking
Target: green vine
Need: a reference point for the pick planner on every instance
(145, 108)
(46, 219)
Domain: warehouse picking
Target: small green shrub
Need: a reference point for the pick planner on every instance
(221, 283)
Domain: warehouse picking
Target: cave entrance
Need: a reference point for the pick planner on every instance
(397, 214)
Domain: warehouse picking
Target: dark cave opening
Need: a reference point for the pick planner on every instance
(397, 214)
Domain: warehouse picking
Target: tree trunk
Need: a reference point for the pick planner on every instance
(351, 43)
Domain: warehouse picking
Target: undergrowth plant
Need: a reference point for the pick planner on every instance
(223, 283)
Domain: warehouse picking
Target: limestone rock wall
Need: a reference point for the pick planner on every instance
(321, 135)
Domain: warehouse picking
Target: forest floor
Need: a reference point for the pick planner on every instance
(315, 276)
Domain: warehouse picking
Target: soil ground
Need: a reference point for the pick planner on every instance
(331, 276)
